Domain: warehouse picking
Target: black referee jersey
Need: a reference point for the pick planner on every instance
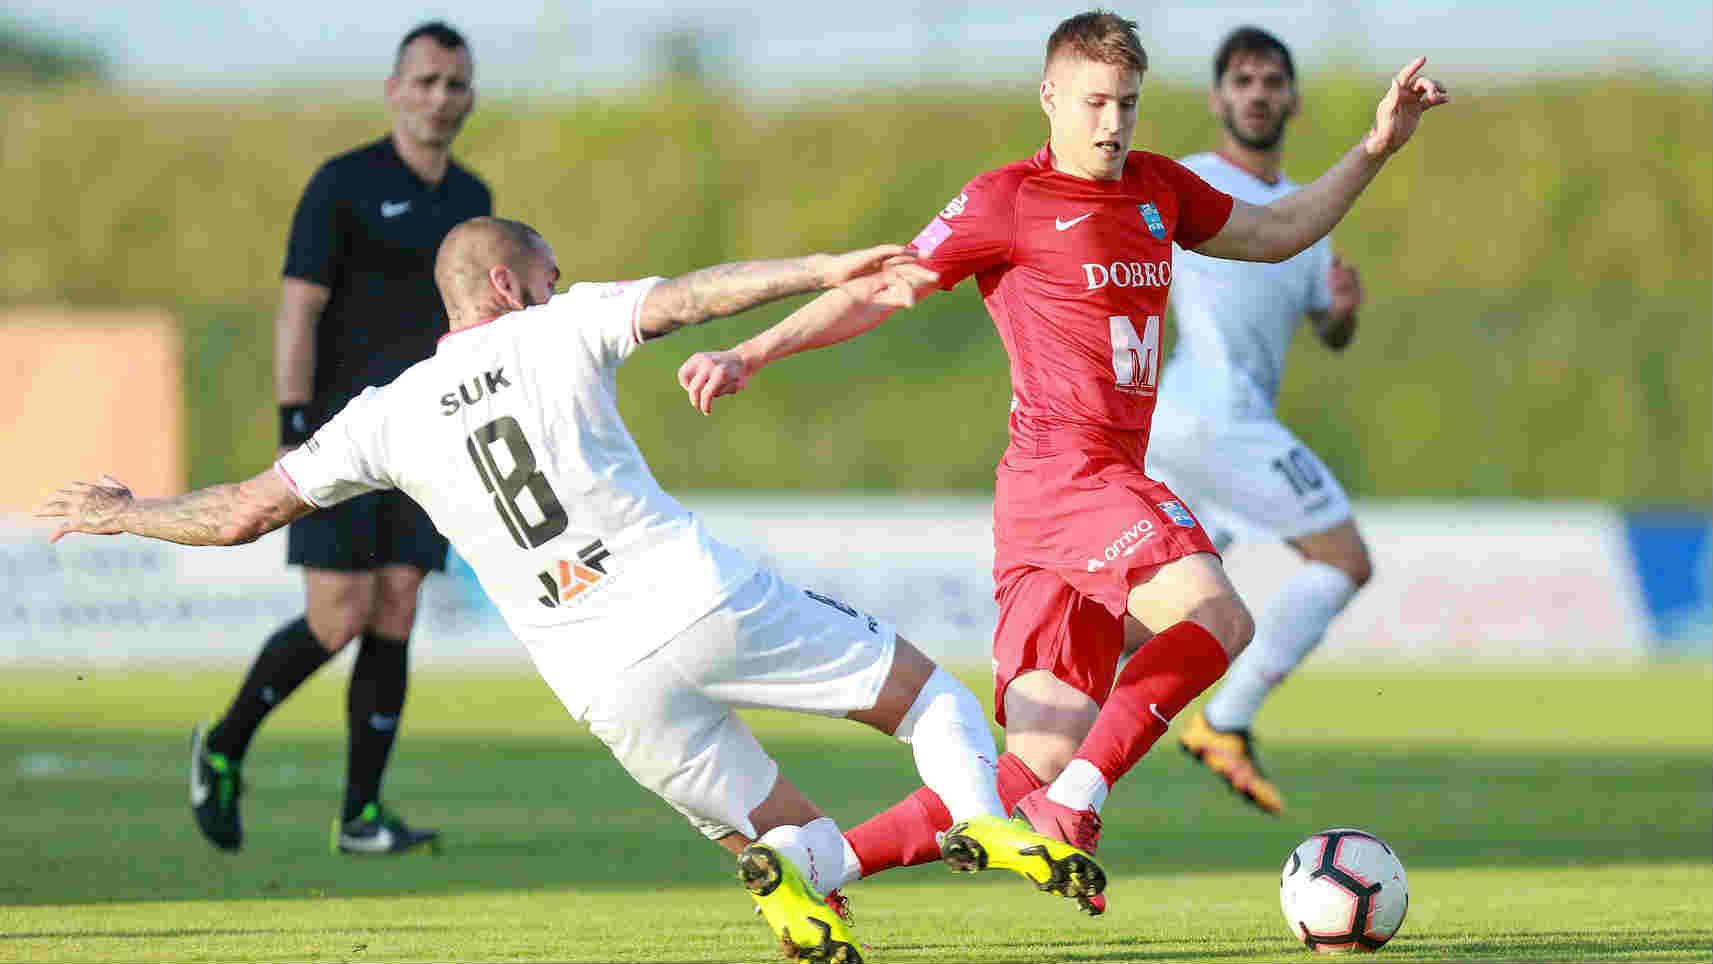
(368, 228)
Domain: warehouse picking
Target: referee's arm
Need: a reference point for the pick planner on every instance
(301, 304)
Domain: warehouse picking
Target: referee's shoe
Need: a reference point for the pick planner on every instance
(214, 791)
(375, 831)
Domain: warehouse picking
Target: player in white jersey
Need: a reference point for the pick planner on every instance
(1217, 440)
(644, 625)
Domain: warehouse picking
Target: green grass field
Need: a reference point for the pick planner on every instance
(1541, 817)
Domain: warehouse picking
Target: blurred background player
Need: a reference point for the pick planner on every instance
(649, 629)
(1072, 250)
(358, 306)
(1216, 439)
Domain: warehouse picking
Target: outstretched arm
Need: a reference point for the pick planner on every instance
(220, 515)
(1285, 227)
(726, 289)
(839, 315)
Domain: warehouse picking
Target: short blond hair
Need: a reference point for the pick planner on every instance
(1101, 36)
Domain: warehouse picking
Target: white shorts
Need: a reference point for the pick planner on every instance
(669, 718)
(1246, 481)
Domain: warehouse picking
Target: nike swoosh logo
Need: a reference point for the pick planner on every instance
(1064, 225)
(392, 209)
(1154, 708)
(199, 790)
(381, 842)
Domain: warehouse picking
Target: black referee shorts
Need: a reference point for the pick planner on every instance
(367, 532)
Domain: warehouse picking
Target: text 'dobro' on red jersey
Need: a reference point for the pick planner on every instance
(1075, 273)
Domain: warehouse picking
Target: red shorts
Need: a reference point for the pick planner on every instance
(1076, 523)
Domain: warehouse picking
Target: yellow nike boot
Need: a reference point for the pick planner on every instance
(989, 843)
(808, 930)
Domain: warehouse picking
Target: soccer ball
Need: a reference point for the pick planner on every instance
(1343, 890)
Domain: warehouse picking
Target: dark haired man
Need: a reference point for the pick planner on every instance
(1072, 250)
(357, 307)
(1216, 437)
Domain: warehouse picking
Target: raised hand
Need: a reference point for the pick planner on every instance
(707, 375)
(1401, 109)
(91, 507)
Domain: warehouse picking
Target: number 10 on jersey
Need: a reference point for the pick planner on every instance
(1135, 358)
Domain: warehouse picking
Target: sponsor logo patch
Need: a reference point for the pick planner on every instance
(1177, 514)
(1128, 274)
(955, 207)
(567, 580)
(1126, 544)
(1151, 217)
(931, 237)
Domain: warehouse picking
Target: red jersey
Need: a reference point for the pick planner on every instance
(1075, 273)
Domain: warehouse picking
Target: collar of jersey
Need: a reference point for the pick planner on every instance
(1228, 162)
(479, 324)
(1043, 159)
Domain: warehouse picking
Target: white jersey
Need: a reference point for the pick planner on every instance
(1235, 319)
(510, 438)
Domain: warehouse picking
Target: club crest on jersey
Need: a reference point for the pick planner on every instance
(1177, 514)
(567, 580)
(1151, 217)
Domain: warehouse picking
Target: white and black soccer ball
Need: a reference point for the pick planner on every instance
(1343, 890)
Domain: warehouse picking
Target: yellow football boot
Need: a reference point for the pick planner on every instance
(808, 930)
(992, 843)
(1231, 755)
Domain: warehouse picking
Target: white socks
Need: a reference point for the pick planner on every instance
(1081, 786)
(955, 754)
(819, 852)
(1289, 629)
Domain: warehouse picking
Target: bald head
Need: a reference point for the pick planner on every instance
(487, 267)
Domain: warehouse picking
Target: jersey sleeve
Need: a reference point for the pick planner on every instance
(972, 233)
(1320, 282)
(603, 316)
(316, 244)
(344, 458)
(1202, 208)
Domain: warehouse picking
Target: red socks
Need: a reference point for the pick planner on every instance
(1162, 678)
(904, 834)
(901, 835)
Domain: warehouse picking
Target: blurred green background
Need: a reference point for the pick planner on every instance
(1539, 322)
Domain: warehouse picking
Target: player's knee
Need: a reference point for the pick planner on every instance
(396, 590)
(335, 627)
(1229, 621)
(394, 610)
(1360, 569)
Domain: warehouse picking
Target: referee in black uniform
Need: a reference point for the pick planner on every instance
(358, 306)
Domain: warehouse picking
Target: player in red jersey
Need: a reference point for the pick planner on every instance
(1072, 251)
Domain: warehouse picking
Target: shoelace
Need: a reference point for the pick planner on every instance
(840, 905)
(1087, 826)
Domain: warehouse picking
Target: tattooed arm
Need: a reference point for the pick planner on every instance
(726, 289)
(220, 515)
